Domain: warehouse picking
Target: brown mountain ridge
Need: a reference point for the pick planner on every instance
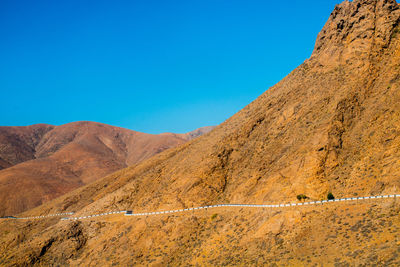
(332, 125)
(41, 162)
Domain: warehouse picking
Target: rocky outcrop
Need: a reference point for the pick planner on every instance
(357, 31)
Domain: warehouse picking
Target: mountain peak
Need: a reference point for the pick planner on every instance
(357, 29)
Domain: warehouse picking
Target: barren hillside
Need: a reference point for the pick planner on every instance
(332, 125)
(17, 144)
(41, 162)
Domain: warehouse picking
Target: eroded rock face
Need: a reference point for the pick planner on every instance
(332, 125)
(356, 31)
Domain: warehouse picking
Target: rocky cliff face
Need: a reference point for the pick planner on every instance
(356, 33)
(332, 125)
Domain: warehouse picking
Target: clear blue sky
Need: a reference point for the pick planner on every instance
(152, 66)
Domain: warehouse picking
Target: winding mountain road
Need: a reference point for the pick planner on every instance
(273, 206)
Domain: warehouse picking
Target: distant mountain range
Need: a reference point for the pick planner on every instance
(41, 162)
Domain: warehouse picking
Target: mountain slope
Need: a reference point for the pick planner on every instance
(17, 144)
(332, 125)
(44, 162)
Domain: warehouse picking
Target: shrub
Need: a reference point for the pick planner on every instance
(330, 196)
(214, 216)
(396, 31)
(301, 197)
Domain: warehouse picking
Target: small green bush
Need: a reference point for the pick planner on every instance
(301, 197)
(214, 216)
(330, 196)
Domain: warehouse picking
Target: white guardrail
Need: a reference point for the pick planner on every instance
(38, 217)
(130, 213)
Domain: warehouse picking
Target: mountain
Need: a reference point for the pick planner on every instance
(332, 125)
(41, 162)
(193, 134)
(197, 133)
(17, 144)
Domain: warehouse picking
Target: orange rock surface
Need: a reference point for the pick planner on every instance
(332, 125)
